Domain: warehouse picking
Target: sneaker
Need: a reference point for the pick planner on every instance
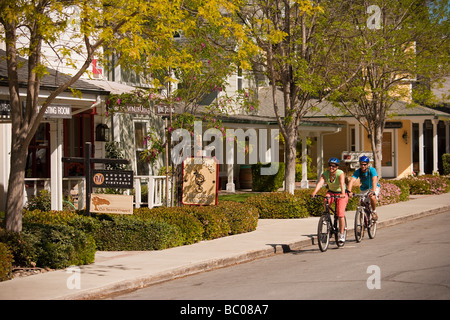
(374, 216)
(341, 238)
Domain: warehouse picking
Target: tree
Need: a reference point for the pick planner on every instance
(294, 43)
(398, 41)
(135, 30)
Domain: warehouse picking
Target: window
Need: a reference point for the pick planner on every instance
(38, 160)
(140, 132)
(240, 79)
(352, 138)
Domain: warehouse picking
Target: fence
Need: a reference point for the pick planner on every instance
(148, 190)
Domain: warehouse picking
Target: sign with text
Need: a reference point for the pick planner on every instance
(122, 179)
(58, 111)
(200, 181)
(112, 203)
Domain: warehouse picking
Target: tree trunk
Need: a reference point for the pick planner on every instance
(291, 154)
(14, 198)
(377, 147)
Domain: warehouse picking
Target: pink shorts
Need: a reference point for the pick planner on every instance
(341, 203)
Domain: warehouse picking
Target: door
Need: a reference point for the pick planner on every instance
(388, 161)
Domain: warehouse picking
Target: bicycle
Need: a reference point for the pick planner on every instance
(363, 217)
(328, 226)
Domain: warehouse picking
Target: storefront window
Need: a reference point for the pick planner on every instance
(38, 160)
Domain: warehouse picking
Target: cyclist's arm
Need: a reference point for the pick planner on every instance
(374, 181)
(342, 182)
(350, 186)
(318, 185)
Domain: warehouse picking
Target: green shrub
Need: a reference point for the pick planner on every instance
(267, 183)
(128, 232)
(279, 205)
(59, 246)
(214, 221)
(191, 228)
(314, 206)
(6, 260)
(403, 185)
(23, 246)
(41, 202)
(242, 217)
(446, 163)
(427, 184)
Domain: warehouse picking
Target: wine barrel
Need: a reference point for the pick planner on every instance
(245, 177)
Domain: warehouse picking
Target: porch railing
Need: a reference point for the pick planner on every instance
(148, 190)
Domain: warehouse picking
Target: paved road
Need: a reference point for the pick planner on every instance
(406, 261)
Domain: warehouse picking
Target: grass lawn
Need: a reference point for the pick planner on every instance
(238, 197)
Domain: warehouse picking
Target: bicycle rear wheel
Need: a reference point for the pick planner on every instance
(359, 225)
(323, 233)
(372, 229)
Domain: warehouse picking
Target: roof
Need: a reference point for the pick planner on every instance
(326, 109)
(50, 81)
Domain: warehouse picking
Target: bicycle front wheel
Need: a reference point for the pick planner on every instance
(359, 225)
(323, 233)
(372, 229)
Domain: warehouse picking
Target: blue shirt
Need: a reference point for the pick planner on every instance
(366, 178)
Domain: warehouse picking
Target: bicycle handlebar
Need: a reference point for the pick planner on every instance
(336, 196)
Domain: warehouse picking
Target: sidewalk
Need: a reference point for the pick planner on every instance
(114, 272)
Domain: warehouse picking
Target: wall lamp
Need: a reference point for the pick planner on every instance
(405, 136)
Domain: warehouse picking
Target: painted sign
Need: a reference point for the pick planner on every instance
(58, 111)
(200, 181)
(121, 179)
(112, 203)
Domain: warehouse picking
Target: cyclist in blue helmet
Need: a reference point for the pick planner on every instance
(335, 179)
(368, 178)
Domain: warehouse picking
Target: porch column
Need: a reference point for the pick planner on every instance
(319, 155)
(358, 146)
(5, 162)
(230, 176)
(435, 146)
(421, 146)
(56, 164)
(447, 137)
(304, 183)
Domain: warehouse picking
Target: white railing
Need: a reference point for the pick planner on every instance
(76, 187)
(156, 190)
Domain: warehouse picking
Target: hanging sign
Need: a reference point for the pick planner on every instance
(200, 181)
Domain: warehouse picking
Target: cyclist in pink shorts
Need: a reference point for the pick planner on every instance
(335, 179)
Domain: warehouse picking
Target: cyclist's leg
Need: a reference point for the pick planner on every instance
(340, 208)
(373, 203)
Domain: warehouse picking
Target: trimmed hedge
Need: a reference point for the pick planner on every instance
(6, 260)
(128, 232)
(191, 229)
(46, 245)
(276, 205)
(446, 163)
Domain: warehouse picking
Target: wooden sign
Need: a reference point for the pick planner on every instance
(200, 181)
(119, 179)
(112, 203)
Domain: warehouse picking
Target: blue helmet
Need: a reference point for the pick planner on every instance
(334, 160)
(364, 159)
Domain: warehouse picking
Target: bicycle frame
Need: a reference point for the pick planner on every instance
(365, 209)
(331, 224)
